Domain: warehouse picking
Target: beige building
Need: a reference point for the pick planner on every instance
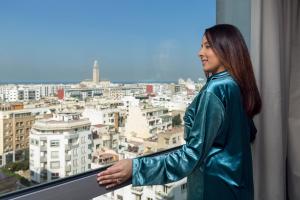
(170, 138)
(15, 126)
(145, 122)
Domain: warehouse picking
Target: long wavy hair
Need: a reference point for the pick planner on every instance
(229, 45)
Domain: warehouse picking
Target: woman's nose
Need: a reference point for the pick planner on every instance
(200, 53)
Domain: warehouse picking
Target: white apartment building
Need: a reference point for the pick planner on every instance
(59, 147)
(97, 114)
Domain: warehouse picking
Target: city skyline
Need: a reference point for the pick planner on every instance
(133, 41)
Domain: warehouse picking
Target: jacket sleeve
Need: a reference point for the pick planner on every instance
(208, 116)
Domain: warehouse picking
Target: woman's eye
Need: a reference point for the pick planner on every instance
(207, 46)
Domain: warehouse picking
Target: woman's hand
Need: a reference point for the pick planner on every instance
(116, 174)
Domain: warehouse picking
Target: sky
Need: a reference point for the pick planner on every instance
(133, 40)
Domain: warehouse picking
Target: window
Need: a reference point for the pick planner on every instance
(54, 143)
(75, 162)
(119, 197)
(75, 152)
(138, 197)
(54, 175)
(82, 150)
(82, 140)
(54, 165)
(183, 187)
(174, 140)
(32, 141)
(54, 154)
(166, 141)
(165, 189)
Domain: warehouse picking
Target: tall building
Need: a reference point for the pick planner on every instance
(96, 75)
(14, 134)
(59, 147)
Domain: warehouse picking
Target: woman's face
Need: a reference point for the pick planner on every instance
(210, 61)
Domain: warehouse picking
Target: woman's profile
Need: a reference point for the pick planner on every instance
(218, 129)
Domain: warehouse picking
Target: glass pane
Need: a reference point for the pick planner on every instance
(85, 85)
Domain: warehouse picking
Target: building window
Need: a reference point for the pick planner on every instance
(82, 140)
(167, 141)
(74, 152)
(75, 162)
(82, 160)
(165, 189)
(54, 175)
(138, 197)
(174, 140)
(55, 165)
(119, 197)
(54, 154)
(54, 143)
(183, 187)
(32, 141)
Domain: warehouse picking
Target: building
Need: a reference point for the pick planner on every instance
(170, 138)
(82, 93)
(102, 157)
(14, 134)
(59, 147)
(96, 75)
(146, 121)
(11, 106)
(105, 136)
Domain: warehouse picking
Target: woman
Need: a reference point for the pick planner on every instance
(218, 129)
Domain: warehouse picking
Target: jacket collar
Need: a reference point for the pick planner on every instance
(218, 75)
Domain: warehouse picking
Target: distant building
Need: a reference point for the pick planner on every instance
(59, 147)
(96, 75)
(149, 89)
(60, 94)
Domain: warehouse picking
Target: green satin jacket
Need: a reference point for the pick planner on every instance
(216, 158)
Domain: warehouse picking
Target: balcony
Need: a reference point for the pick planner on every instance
(67, 147)
(137, 190)
(43, 159)
(161, 194)
(68, 168)
(68, 157)
(76, 187)
(43, 148)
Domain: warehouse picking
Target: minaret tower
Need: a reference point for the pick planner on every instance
(96, 75)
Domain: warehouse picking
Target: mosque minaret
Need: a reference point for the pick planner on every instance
(96, 73)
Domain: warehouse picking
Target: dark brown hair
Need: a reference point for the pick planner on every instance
(228, 44)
